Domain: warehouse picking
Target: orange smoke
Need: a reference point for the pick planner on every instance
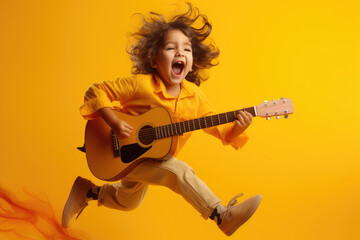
(31, 219)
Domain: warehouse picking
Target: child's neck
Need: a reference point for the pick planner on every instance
(173, 90)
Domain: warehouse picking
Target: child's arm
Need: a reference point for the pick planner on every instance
(121, 128)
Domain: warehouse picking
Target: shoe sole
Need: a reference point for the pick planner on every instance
(67, 205)
(253, 208)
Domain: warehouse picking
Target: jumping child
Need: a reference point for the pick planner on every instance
(167, 61)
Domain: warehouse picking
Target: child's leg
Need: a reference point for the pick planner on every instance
(181, 178)
(174, 174)
(125, 195)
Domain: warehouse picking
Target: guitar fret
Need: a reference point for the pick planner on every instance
(226, 118)
(219, 118)
(196, 124)
(205, 122)
(212, 123)
(188, 125)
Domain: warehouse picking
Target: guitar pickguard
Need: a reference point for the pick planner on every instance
(131, 152)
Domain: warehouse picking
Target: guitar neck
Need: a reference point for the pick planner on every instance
(199, 123)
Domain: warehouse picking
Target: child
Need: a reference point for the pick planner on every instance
(168, 59)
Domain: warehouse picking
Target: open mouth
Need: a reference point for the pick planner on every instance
(177, 68)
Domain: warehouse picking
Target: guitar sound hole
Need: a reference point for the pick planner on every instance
(147, 135)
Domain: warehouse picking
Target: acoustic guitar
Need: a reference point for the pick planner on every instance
(154, 135)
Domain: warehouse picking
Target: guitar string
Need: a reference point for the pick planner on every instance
(194, 124)
(203, 123)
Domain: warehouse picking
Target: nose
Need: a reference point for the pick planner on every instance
(179, 53)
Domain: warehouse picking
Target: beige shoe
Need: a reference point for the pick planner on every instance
(237, 215)
(77, 199)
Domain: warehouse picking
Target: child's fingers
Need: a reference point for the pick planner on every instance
(247, 116)
(241, 117)
(241, 120)
(123, 135)
(126, 125)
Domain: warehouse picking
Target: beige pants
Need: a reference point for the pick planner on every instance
(173, 173)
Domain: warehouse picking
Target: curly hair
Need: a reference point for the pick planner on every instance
(150, 39)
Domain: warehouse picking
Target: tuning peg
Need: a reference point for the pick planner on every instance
(277, 117)
(268, 118)
(286, 116)
(265, 103)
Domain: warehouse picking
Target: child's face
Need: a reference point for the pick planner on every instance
(174, 59)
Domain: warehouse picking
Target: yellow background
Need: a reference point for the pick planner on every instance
(306, 168)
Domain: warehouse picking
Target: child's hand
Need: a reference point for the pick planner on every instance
(122, 129)
(243, 121)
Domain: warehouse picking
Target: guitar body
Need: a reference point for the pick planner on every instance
(109, 162)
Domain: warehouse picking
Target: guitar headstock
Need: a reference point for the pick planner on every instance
(267, 109)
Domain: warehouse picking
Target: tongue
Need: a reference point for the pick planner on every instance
(177, 69)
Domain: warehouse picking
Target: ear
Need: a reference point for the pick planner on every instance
(153, 63)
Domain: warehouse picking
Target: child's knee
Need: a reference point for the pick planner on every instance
(185, 173)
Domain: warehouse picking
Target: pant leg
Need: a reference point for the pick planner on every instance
(124, 195)
(173, 173)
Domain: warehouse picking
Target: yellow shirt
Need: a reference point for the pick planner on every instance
(139, 93)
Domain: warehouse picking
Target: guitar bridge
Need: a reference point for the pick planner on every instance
(115, 142)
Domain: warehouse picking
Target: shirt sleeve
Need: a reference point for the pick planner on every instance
(107, 94)
(223, 131)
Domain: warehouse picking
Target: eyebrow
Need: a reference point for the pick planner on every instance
(171, 42)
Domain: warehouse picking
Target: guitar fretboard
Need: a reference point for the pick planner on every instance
(198, 123)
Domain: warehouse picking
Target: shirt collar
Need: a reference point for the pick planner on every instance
(186, 88)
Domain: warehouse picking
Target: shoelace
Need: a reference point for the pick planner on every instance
(82, 209)
(231, 203)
